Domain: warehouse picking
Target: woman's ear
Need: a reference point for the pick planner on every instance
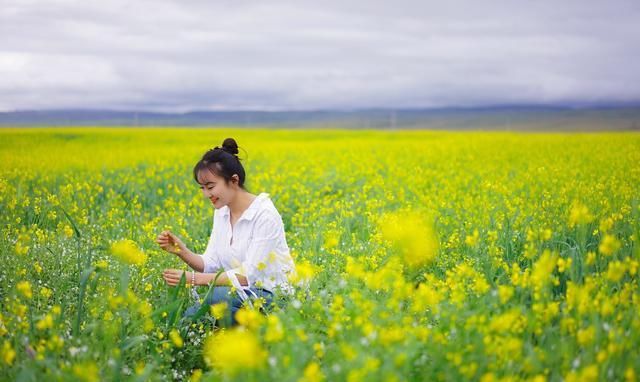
(235, 178)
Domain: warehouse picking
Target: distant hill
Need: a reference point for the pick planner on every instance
(545, 118)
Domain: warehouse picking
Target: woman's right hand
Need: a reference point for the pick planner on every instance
(171, 243)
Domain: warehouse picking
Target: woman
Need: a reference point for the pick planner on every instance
(247, 242)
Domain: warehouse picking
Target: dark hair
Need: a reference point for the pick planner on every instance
(222, 161)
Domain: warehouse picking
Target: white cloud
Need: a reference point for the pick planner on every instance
(165, 55)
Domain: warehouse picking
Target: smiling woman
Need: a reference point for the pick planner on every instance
(247, 246)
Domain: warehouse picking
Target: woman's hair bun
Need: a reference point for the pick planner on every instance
(229, 145)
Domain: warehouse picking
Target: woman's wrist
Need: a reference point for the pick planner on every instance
(190, 258)
(204, 278)
(198, 278)
(184, 254)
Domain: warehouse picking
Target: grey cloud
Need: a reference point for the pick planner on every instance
(175, 56)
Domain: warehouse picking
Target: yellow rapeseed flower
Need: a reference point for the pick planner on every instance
(45, 292)
(606, 224)
(68, 231)
(312, 373)
(274, 332)
(505, 292)
(45, 323)
(196, 375)
(542, 271)
(231, 351)
(218, 310)
(564, 264)
(616, 271)
(579, 215)
(587, 374)
(21, 249)
(412, 236)
(331, 241)
(87, 371)
(24, 287)
(174, 335)
(7, 354)
(609, 245)
(472, 240)
(586, 336)
(127, 252)
(249, 318)
(303, 274)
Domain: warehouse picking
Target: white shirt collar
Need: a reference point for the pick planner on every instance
(250, 212)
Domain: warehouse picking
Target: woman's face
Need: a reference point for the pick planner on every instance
(216, 189)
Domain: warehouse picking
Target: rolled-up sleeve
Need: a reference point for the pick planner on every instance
(264, 240)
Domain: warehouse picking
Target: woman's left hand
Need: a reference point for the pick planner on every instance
(172, 276)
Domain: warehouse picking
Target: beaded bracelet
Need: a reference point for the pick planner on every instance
(193, 278)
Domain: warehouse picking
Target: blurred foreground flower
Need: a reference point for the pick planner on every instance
(303, 274)
(579, 215)
(7, 354)
(609, 245)
(127, 252)
(174, 335)
(24, 287)
(233, 350)
(412, 236)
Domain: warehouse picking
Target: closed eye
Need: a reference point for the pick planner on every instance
(209, 186)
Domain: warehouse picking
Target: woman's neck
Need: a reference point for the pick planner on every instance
(240, 203)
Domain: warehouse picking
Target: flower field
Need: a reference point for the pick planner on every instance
(420, 255)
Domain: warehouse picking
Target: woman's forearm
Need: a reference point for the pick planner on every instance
(194, 261)
(223, 279)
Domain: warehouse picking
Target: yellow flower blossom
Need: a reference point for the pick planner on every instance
(304, 273)
(616, 271)
(127, 252)
(563, 264)
(223, 349)
(312, 373)
(412, 236)
(274, 330)
(586, 336)
(7, 354)
(541, 274)
(249, 318)
(45, 323)
(218, 310)
(472, 240)
(86, 371)
(174, 335)
(609, 245)
(68, 231)
(196, 375)
(505, 292)
(579, 215)
(45, 292)
(24, 287)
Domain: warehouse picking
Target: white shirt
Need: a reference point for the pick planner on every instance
(258, 250)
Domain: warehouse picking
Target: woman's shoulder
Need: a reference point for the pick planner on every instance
(266, 210)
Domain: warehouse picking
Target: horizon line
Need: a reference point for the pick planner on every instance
(558, 106)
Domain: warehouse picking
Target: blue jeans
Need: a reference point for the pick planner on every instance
(233, 301)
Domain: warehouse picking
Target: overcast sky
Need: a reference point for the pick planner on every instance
(273, 55)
